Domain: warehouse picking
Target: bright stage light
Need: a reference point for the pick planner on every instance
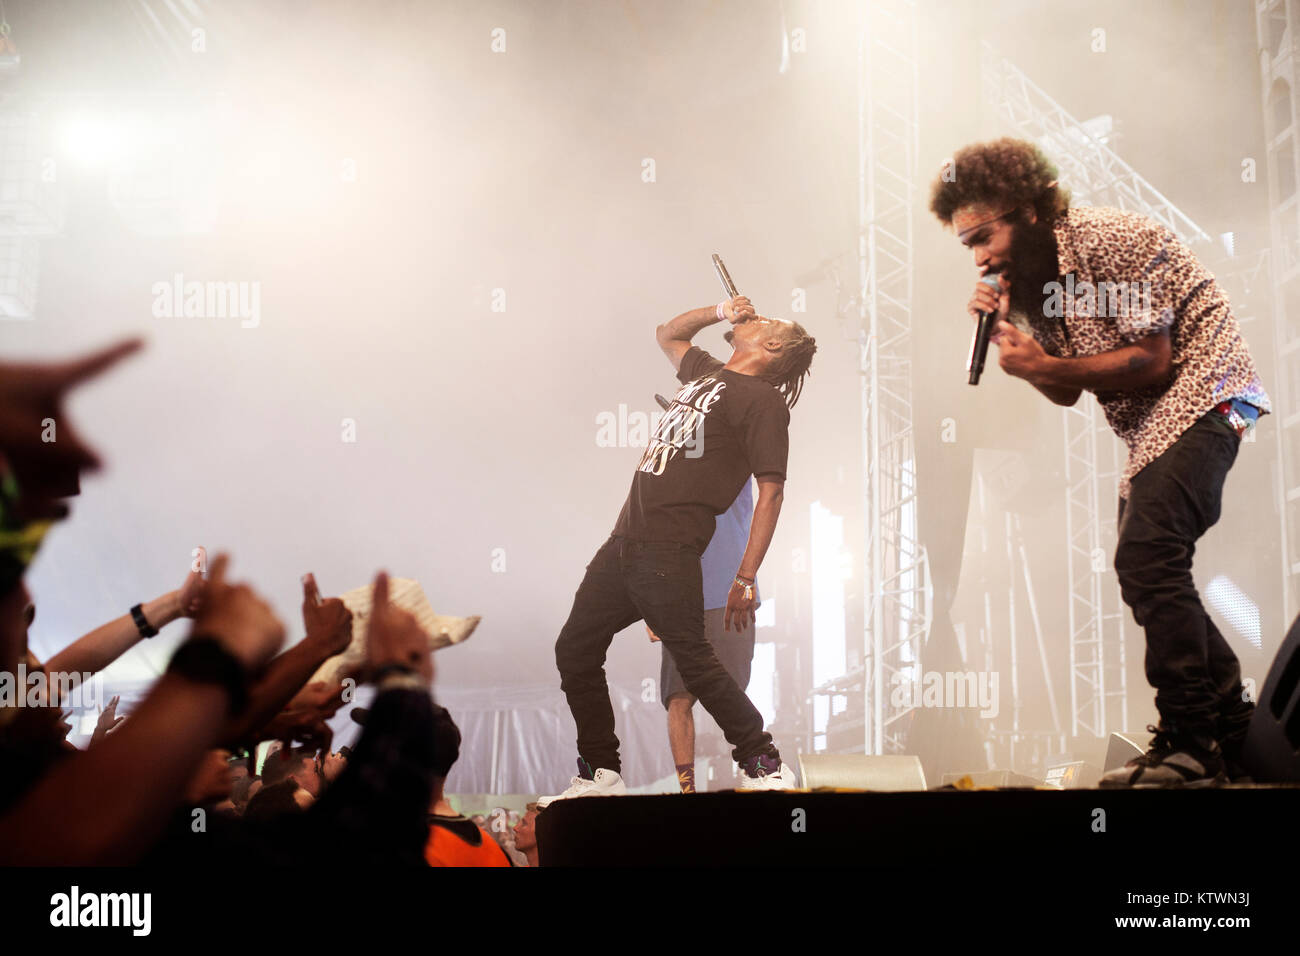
(93, 139)
(1241, 613)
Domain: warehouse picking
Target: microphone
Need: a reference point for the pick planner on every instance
(979, 345)
(663, 402)
(724, 277)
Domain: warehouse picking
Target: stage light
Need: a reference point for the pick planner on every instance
(762, 682)
(828, 624)
(92, 139)
(1241, 613)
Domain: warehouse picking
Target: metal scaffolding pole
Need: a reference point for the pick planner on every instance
(897, 598)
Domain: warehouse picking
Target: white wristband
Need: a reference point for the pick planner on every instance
(721, 314)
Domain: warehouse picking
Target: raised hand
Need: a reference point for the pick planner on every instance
(32, 395)
(107, 722)
(394, 637)
(189, 598)
(327, 621)
(240, 620)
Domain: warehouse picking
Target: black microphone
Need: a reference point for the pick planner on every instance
(979, 345)
(663, 402)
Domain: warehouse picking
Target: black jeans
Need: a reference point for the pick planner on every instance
(1172, 502)
(658, 581)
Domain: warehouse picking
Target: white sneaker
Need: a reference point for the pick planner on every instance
(783, 779)
(604, 783)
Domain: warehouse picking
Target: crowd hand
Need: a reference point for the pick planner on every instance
(395, 637)
(332, 766)
(654, 638)
(29, 395)
(189, 599)
(212, 780)
(738, 309)
(319, 697)
(328, 622)
(307, 727)
(107, 722)
(241, 621)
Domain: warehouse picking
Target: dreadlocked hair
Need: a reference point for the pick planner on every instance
(790, 367)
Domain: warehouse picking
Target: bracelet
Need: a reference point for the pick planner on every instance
(203, 659)
(747, 585)
(721, 315)
(389, 669)
(141, 623)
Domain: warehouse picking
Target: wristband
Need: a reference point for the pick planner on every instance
(141, 623)
(721, 314)
(203, 659)
(390, 669)
(747, 585)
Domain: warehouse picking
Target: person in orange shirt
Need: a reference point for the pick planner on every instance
(454, 840)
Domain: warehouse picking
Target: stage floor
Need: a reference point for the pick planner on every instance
(855, 828)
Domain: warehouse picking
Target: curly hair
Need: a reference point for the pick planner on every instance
(790, 367)
(1001, 172)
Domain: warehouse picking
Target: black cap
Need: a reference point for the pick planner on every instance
(446, 741)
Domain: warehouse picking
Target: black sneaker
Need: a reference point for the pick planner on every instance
(1172, 760)
(1232, 765)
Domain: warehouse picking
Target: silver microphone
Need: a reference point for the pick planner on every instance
(724, 277)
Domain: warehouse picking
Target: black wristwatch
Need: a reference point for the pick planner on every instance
(141, 623)
(203, 659)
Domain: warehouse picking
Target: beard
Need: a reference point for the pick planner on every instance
(1033, 264)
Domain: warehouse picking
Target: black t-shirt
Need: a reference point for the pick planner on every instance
(721, 428)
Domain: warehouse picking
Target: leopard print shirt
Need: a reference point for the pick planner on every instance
(1124, 276)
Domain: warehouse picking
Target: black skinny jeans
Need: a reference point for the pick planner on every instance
(1171, 503)
(658, 581)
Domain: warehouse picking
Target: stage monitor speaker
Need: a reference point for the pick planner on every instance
(893, 773)
(1072, 775)
(1122, 747)
(1271, 753)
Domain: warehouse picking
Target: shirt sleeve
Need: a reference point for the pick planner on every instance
(765, 433)
(696, 362)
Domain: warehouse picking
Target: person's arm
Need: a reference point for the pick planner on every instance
(1060, 396)
(106, 643)
(377, 808)
(106, 805)
(674, 337)
(771, 494)
(101, 807)
(329, 630)
(1145, 363)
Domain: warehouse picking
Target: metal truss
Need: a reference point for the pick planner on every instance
(898, 594)
(1276, 22)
